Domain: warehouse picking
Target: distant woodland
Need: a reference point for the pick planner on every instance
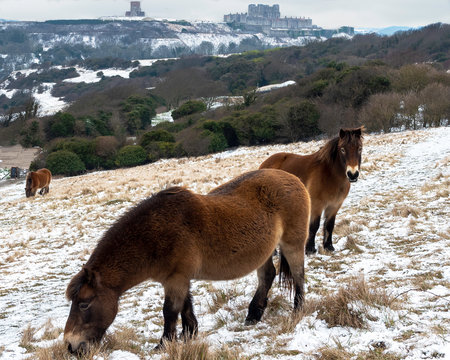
(385, 83)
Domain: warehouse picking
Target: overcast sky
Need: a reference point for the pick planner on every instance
(325, 13)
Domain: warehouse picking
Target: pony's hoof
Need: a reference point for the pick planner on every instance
(250, 322)
(329, 247)
(311, 251)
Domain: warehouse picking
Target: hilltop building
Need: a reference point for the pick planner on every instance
(267, 19)
(135, 9)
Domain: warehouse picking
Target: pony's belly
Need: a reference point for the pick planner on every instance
(233, 266)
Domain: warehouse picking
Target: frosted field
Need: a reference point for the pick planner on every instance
(392, 235)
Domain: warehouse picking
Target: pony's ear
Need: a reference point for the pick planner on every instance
(342, 133)
(92, 277)
(85, 276)
(360, 131)
(75, 285)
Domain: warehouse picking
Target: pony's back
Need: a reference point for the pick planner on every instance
(298, 165)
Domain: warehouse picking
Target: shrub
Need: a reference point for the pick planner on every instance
(222, 129)
(302, 120)
(256, 128)
(131, 155)
(62, 125)
(188, 108)
(139, 111)
(156, 135)
(162, 149)
(84, 148)
(65, 163)
(106, 146)
(218, 143)
(31, 135)
(106, 149)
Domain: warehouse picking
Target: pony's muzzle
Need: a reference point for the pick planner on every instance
(352, 177)
(77, 349)
(352, 173)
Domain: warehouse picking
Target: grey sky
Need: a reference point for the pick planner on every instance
(325, 13)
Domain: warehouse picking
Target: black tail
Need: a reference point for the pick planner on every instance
(286, 279)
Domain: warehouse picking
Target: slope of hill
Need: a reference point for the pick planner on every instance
(390, 272)
(23, 44)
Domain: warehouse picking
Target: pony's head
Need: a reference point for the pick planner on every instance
(349, 150)
(29, 191)
(93, 309)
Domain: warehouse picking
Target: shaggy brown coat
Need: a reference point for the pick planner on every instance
(176, 236)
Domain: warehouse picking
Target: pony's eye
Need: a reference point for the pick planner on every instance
(343, 150)
(84, 306)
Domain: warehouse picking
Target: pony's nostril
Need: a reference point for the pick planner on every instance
(352, 176)
(69, 348)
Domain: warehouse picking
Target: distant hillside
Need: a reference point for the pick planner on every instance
(57, 42)
(384, 82)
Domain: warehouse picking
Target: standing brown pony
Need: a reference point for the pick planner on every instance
(327, 175)
(39, 179)
(176, 236)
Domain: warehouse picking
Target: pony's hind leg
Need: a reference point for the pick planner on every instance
(293, 269)
(188, 319)
(266, 274)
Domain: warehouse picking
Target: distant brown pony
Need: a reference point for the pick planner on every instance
(39, 179)
(176, 236)
(327, 175)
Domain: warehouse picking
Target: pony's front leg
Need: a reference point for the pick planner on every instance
(328, 226)
(176, 290)
(188, 319)
(266, 274)
(313, 227)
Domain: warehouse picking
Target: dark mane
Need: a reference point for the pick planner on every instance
(328, 152)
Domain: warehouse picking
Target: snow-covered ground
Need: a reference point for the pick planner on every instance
(397, 214)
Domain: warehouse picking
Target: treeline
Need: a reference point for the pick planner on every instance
(340, 95)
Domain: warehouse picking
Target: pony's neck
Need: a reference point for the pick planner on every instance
(114, 274)
(328, 156)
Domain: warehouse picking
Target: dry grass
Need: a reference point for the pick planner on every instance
(352, 245)
(55, 352)
(124, 338)
(406, 210)
(350, 305)
(328, 353)
(221, 297)
(27, 338)
(198, 350)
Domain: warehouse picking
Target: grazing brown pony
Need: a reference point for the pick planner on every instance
(327, 175)
(39, 179)
(176, 236)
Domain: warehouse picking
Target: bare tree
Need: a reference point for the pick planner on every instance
(381, 112)
(435, 104)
